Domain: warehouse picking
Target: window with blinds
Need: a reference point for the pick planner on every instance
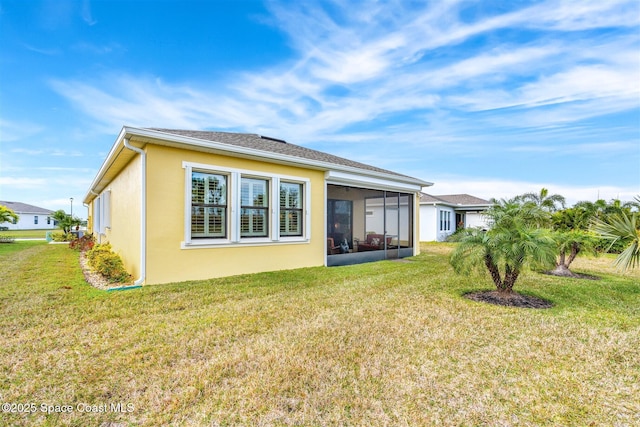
(208, 205)
(254, 207)
(290, 209)
(228, 206)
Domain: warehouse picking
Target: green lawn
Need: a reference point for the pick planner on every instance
(387, 343)
(27, 234)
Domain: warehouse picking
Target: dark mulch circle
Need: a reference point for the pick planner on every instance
(511, 299)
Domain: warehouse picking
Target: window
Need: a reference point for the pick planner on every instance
(445, 221)
(102, 212)
(48, 220)
(254, 208)
(227, 206)
(96, 215)
(290, 209)
(208, 205)
(35, 219)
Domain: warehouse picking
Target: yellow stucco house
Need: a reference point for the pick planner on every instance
(182, 205)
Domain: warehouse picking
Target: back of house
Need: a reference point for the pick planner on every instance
(181, 205)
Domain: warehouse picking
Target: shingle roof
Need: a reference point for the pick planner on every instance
(19, 208)
(272, 145)
(454, 199)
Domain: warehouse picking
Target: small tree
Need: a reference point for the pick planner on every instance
(65, 221)
(7, 215)
(514, 242)
(570, 233)
(570, 244)
(544, 200)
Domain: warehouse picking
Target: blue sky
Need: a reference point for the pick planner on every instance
(491, 98)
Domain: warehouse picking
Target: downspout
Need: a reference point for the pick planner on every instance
(143, 219)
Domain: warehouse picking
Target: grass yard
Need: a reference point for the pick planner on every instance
(387, 343)
(27, 234)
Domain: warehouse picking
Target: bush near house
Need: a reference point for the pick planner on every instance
(62, 237)
(107, 263)
(6, 239)
(83, 243)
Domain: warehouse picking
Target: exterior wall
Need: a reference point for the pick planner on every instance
(417, 224)
(26, 222)
(169, 261)
(124, 210)
(475, 219)
(430, 223)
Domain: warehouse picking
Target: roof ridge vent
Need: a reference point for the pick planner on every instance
(273, 139)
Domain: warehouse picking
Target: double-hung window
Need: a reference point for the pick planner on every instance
(208, 205)
(291, 214)
(254, 207)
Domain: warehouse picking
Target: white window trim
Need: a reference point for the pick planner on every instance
(234, 203)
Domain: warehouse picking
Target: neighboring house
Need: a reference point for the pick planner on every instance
(441, 216)
(30, 217)
(182, 205)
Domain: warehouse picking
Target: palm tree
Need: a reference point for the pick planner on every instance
(570, 244)
(594, 209)
(575, 218)
(65, 221)
(622, 227)
(7, 215)
(544, 200)
(513, 242)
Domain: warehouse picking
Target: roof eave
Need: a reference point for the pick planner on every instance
(163, 138)
(238, 151)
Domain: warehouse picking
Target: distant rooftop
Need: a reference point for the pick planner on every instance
(19, 207)
(454, 199)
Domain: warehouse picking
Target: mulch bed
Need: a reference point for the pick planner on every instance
(95, 279)
(511, 299)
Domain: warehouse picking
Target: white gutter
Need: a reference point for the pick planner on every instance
(143, 215)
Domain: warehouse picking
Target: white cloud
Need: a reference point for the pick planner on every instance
(16, 130)
(22, 183)
(388, 58)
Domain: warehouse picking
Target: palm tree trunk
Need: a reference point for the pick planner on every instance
(575, 249)
(494, 271)
(561, 259)
(510, 277)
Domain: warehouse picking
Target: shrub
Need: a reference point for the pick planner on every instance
(82, 244)
(62, 237)
(107, 263)
(6, 239)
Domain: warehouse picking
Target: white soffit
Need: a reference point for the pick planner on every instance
(356, 180)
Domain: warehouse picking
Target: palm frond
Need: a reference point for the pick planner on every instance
(622, 227)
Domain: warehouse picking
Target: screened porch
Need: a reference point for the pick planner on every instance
(366, 225)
